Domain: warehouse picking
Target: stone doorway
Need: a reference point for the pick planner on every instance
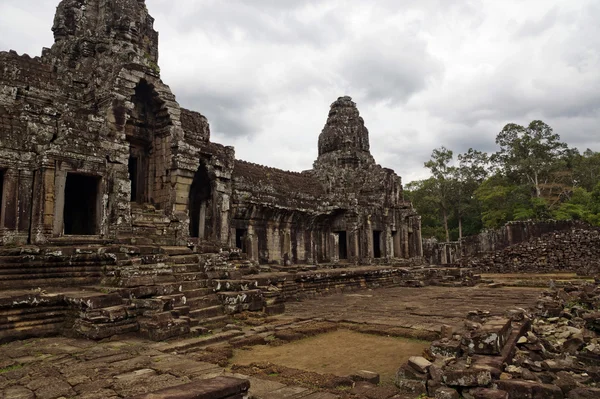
(376, 244)
(138, 173)
(342, 245)
(240, 239)
(81, 205)
(199, 201)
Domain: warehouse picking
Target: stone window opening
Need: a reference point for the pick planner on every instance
(240, 239)
(376, 244)
(199, 201)
(342, 245)
(81, 204)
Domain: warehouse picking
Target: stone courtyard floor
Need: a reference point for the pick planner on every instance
(59, 367)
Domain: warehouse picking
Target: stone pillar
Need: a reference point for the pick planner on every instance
(202, 221)
(25, 197)
(334, 240)
(418, 237)
(300, 246)
(252, 243)
(369, 240)
(10, 201)
(273, 242)
(59, 203)
(405, 236)
(396, 244)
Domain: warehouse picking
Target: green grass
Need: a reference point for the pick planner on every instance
(11, 368)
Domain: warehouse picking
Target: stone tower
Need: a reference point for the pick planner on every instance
(344, 141)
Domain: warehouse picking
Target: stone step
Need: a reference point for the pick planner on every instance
(234, 285)
(192, 344)
(199, 292)
(171, 251)
(51, 268)
(207, 312)
(186, 268)
(212, 323)
(184, 259)
(179, 311)
(54, 280)
(235, 302)
(154, 259)
(11, 262)
(189, 276)
(192, 285)
(203, 302)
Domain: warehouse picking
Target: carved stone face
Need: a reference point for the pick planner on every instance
(67, 19)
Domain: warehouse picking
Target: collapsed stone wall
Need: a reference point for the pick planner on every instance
(521, 246)
(562, 251)
(552, 351)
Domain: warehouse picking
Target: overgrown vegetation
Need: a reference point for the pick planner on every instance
(532, 176)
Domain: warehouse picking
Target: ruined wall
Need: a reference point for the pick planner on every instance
(576, 249)
(441, 253)
(488, 241)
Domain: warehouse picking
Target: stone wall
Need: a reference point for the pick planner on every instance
(576, 249)
(491, 242)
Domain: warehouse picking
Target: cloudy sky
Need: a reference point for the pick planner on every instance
(424, 73)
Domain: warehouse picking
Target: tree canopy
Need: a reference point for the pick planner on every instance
(533, 175)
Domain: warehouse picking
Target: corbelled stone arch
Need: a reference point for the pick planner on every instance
(152, 131)
(147, 131)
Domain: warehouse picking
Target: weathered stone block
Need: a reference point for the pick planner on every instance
(466, 377)
(491, 337)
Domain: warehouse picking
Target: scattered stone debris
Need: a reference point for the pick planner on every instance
(552, 351)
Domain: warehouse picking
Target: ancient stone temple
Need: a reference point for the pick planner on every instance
(95, 148)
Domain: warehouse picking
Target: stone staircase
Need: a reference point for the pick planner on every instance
(33, 266)
(177, 292)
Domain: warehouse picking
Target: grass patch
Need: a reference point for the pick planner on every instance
(11, 368)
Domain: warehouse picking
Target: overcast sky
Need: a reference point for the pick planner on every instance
(424, 73)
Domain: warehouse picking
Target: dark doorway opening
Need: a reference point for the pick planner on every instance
(240, 239)
(81, 204)
(200, 194)
(376, 244)
(342, 244)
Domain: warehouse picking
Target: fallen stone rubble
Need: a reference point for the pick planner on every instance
(550, 352)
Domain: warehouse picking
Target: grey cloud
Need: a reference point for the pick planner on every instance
(263, 20)
(228, 114)
(390, 72)
(536, 27)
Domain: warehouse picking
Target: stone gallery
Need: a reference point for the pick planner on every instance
(94, 144)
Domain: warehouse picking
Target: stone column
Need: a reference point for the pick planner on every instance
(10, 202)
(202, 221)
(396, 244)
(369, 240)
(59, 204)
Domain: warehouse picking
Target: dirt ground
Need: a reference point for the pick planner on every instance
(426, 308)
(340, 352)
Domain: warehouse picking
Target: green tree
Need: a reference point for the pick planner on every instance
(423, 195)
(529, 154)
(444, 181)
(472, 170)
